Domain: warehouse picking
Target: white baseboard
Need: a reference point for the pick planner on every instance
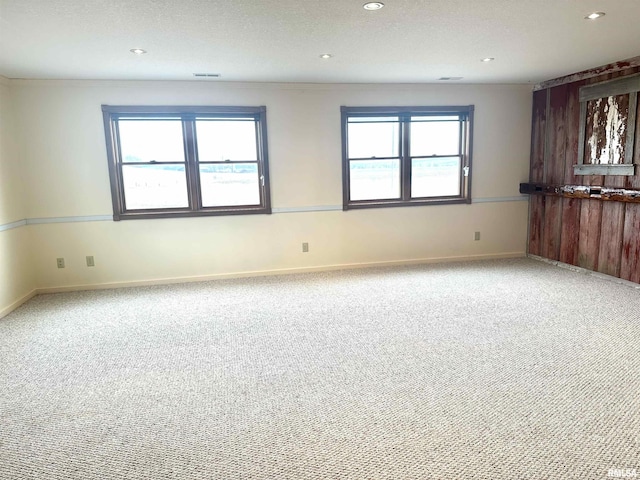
(283, 271)
(7, 310)
(576, 269)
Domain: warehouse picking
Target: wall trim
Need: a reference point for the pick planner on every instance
(282, 271)
(311, 208)
(9, 226)
(88, 218)
(519, 198)
(584, 271)
(10, 308)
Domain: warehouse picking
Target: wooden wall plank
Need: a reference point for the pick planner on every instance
(570, 230)
(536, 223)
(570, 227)
(536, 172)
(538, 136)
(554, 170)
(589, 234)
(612, 223)
(552, 231)
(556, 135)
(630, 261)
(611, 228)
(571, 132)
(591, 215)
(630, 258)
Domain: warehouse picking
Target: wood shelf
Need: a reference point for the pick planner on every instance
(607, 194)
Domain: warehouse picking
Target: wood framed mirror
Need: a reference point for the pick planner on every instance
(607, 127)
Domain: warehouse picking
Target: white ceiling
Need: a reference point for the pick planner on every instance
(281, 40)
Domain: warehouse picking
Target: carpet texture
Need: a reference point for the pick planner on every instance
(486, 370)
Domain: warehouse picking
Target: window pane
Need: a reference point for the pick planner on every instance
(436, 118)
(151, 140)
(154, 186)
(229, 184)
(368, 140)
(220, 140)
(435, 177)
(435, 138)
(372, 119)
(374, 180)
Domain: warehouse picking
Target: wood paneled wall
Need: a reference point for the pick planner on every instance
(596, 235)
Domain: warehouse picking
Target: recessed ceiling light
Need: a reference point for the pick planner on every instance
(447, 79)
(326, 56)
(594, 15)
(488, 59)
(373, 5)
(138, 51)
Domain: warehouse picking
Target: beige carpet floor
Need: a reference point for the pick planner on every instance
(495, 370)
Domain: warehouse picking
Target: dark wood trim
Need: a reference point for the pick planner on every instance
(467, 153)
(590, 73)
(263, 166)
(344, 116)
(110, 137)
(591, 192)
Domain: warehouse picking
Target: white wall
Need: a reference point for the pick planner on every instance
(16, 270)
(63, 153)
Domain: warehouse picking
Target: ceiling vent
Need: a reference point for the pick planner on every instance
(448, 79)
(207, 75)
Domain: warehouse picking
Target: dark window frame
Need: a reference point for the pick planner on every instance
(465, 114)
(187, 114)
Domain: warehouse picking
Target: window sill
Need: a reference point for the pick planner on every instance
(146, 215)
(401, 203)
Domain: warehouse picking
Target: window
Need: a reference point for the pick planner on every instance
(187, 161)
(399, 156)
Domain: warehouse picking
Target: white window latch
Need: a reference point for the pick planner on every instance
(262, 179)
(466, 171)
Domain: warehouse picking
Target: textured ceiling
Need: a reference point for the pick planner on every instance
(281, 40)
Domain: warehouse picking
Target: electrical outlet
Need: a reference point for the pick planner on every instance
(90, 261)
(305, 247)
(60, 262)
(476, 236)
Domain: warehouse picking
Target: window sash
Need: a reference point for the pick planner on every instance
(406, 116)
(188, 117)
